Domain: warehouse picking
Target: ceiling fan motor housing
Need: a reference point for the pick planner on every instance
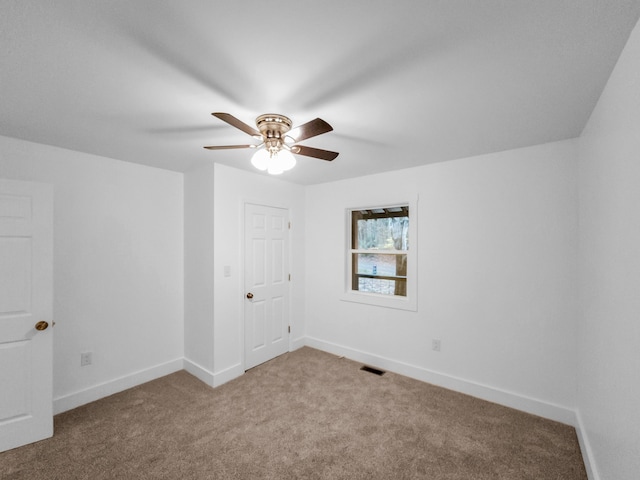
(273, 128)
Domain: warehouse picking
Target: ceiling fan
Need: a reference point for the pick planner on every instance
(278, 140)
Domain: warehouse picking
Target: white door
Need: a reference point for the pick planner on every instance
(26, 334)
(266, 265)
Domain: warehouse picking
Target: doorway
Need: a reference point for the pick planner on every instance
(266, 282)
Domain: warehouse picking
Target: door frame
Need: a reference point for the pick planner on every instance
(261, 203)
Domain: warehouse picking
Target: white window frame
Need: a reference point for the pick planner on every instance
(408, 302)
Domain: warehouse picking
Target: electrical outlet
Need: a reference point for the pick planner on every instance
(86, 358)
(435, 345)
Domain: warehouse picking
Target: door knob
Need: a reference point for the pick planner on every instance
(41, 325)
(249, 295)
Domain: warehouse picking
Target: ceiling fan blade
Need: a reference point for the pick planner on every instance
(314, 152)
(310, 129)
(227, 147)
(239, 124)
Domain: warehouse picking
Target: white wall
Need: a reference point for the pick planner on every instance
(198, 275)
(214, 201)
(118, 268)
(497, 246)
(233, 188)
(609, 335)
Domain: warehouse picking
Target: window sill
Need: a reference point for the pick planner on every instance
(378, 300)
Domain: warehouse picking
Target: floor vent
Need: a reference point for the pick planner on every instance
(372, 370)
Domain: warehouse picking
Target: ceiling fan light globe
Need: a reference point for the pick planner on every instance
(260, 159)
(274, 170)
(284, 160)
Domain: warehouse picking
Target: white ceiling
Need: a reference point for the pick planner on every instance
(403, 83)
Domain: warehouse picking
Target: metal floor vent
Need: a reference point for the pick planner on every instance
(372, 370)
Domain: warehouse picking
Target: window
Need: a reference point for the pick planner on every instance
(379, 265)
(379, 245)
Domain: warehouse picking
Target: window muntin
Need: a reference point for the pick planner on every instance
(379, 250)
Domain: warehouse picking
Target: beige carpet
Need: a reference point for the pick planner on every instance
(304, 415)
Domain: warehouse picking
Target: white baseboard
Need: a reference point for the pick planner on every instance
(96, 392)
(199, 372)
(227, 375)
(213, 379)
(585, 448)
(297, 343)
(502, 397)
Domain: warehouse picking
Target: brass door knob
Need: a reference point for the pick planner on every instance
(41, 325)
(249, 295)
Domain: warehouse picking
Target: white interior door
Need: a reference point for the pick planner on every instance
(26, 336)
(266, 312)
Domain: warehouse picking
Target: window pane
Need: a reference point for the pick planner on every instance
(378, 285)
(383, 233)
(377, 264)
(388, 233)
(379, 272)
